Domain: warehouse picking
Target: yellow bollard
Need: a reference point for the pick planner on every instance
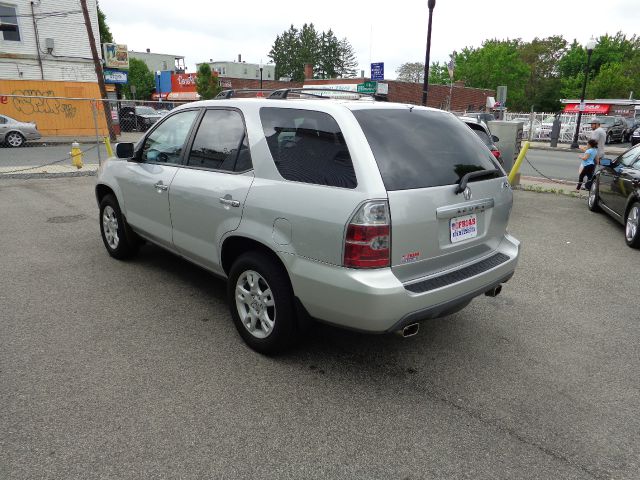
(516, 166)
(76, 155)
(107, 144)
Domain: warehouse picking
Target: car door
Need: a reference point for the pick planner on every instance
(146, 180)
(207, 195)
(616, 181)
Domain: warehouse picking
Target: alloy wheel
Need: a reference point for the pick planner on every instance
(110, 227)
(255, 304)
(592, 195)
(633, 221)
(14, 139)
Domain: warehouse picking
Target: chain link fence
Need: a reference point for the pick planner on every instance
(51, 124)
(537, 125)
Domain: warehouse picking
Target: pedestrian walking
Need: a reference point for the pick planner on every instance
(587, 165)
(599, 135)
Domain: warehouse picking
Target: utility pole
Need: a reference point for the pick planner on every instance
(425, 88)
(98, 67)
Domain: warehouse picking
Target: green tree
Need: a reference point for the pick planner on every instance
(329, 57)
(347, 61)
(207, 85)
(496, 63)
(410, 72)
(439, 74)
(542, 88)
(142, 78)
(105, 33)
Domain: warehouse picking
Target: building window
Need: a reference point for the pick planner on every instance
(245, 70)
(269, 74)
(9, 23)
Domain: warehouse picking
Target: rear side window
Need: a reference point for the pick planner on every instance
(420, 148)
(221, 143)
(308, 147)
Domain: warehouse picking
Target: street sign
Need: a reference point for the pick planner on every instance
(377, 71)
(367, 87)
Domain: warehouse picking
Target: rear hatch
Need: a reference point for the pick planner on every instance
(423, 157)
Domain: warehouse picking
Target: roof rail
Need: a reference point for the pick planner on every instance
(234, 92)
(314, 92)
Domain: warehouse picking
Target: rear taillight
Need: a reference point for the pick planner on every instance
(496, 153)
(368, 239)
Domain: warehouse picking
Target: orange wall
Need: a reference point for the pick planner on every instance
(53, 116)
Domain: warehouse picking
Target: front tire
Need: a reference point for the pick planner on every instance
(14, 139)
(632, 226)
(592, 201)
(261, 303)
(118, 238)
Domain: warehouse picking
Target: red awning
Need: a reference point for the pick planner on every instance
(588, 108)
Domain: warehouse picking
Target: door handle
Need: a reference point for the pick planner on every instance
(161, 187)
(228, 202)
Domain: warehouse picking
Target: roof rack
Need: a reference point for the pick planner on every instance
(234, 92)
(313, 92)
(283, 93)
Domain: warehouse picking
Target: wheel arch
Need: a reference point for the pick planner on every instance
(235, 245)
(633, 198)
(102, 191)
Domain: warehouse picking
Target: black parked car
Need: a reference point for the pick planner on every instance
(138, 118)
(616, 190)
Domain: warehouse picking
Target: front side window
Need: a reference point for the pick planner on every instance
(417, 148)
(221, 143)
(308, 146)
(9, 23)
(166, 142)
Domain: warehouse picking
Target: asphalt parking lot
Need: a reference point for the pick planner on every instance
(134, 370)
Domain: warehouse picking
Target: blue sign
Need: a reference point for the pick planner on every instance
(114, 76)
(377, 71)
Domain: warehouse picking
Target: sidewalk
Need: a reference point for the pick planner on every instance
(123, 137)
(566, 147)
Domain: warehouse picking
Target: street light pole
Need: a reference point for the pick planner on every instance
(590, 46)
(260, 75)
(431, 5)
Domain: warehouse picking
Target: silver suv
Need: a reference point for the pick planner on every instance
(367, 215)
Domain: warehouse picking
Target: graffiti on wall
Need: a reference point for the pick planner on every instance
(30, 102)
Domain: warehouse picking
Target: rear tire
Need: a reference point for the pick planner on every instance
(632, 226)
(261, 303)
(592, 200)
(118, 238)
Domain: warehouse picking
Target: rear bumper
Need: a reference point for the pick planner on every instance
(376, 301)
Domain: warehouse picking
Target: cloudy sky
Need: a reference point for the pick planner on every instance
(380, 31)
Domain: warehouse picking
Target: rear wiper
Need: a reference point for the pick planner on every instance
(468, 176)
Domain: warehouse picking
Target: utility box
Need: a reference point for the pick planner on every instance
(510, 135)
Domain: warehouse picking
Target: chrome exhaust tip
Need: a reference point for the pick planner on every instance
(494, 292)
(409, 330)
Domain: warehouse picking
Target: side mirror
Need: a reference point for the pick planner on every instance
(494, 138)
(124, 150)
(605, 162)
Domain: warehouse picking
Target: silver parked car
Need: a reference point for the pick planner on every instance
(14, 133)
(367, 215)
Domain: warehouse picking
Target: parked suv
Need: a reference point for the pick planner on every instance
(367, 215)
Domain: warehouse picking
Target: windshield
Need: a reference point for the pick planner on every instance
(145, 111)
(417, 148)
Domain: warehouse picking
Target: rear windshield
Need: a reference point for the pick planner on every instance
(417, 148)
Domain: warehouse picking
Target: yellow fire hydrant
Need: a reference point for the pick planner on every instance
(76, 155)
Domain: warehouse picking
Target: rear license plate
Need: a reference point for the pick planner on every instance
(462, 228)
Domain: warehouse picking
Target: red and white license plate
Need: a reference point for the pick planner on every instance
(462, 228)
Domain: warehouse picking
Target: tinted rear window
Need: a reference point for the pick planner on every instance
(420, 148)
(308, 146)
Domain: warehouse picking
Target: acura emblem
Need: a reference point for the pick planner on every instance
(467, 194)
